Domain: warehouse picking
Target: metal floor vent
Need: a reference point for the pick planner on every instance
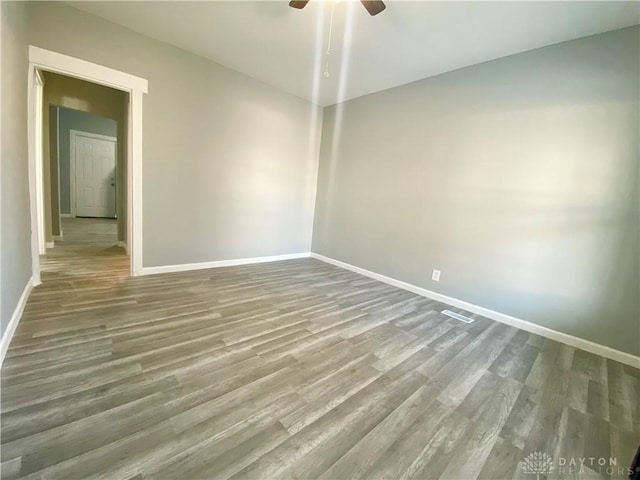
(457, 316)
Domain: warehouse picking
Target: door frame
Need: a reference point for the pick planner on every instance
(136, 87)
(36, 83)
(73, 134)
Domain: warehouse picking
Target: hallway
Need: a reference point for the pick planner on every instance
(86, 254)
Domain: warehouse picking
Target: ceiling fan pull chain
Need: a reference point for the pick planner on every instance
(326, 68)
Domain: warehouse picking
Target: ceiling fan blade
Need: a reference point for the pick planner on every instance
(374, 7)
(299, 4)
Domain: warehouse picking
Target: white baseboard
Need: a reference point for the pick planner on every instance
(49, 244)
(66, 215)
(221, 263)
(565, 338)
(15, 318)
(123, 244)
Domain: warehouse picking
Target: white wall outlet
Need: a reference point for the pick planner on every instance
(435, 276)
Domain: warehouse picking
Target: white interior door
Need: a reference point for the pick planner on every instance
(95, 177)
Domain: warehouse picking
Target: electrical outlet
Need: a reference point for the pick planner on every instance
(435, 276)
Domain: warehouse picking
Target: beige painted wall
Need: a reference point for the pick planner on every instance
(15, 245)
(517, 178)
(63, 91)
(230, 163)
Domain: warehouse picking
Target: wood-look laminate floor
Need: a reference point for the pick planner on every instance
(293, 369)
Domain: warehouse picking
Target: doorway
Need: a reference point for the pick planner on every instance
(41, 60)
(83, 132)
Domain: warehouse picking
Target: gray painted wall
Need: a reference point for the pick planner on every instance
(15, 243)
(230, 163)
(69, 119)
(517, 178)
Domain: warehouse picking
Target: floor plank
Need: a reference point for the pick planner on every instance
(293, 369)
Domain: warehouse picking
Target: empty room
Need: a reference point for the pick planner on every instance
(320, 239)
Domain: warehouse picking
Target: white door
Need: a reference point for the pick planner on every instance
(95, 172)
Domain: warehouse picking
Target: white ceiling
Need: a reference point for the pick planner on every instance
(410, 40)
